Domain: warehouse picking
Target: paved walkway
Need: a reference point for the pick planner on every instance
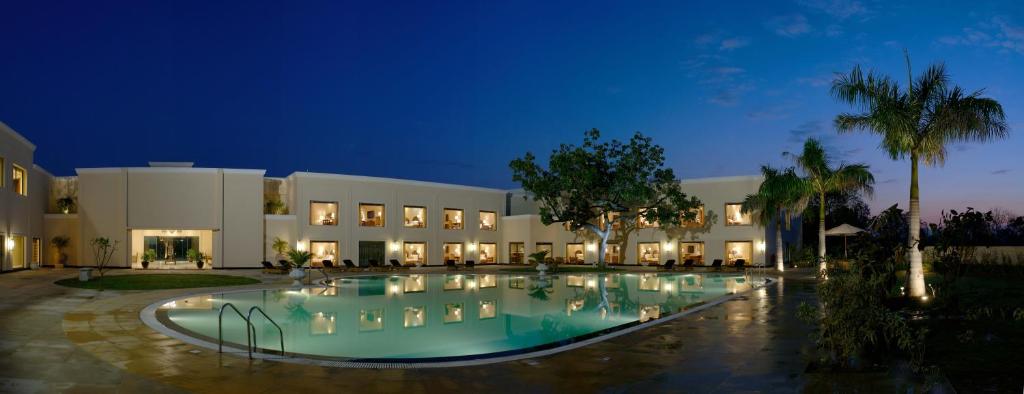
(58, 339)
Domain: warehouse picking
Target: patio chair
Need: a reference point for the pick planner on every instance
(349, 265)
(470, 264)
(451, 264)
(688, 264)
(669, 265)
(269, 268)
(717, 264)
(374, 264)
(396, 265)
(283, 264)
(365, 265)
(739, 264)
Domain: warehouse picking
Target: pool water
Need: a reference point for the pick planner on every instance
(434, 316)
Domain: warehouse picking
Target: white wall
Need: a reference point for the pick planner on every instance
(20, 215)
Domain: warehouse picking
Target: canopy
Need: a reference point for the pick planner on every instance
(844, 229)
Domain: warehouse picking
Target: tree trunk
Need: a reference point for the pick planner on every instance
(821, 232)
(603, 244)
(779, 260)
(916, 277)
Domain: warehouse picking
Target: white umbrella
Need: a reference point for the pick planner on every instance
(844, 230)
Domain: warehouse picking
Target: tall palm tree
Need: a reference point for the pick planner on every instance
(780, 195)
(823, 179)
(917, 123)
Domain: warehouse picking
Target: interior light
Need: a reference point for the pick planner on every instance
(300, 246)
(760, 246)
(10, 243)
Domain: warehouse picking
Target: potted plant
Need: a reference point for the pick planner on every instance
(148, 256)
(537, 258)
(194, 255)
(61, 242)
(66, 204)
(281, 247)
(297, 259)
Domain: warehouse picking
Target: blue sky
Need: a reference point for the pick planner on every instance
(451, 91)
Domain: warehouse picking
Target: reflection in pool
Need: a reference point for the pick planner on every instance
(441, 316)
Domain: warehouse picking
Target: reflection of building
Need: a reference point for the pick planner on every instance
(174, 208)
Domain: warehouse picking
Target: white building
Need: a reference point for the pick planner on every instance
(232, 216)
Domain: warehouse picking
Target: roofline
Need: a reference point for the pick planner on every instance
(43, 170)
(18, 137)
(395, 181)
(200, 170)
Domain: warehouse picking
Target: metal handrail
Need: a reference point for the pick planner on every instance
(220, 329)
(253, 327)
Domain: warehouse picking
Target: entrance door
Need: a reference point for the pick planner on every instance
(18, 252)
(371, 250)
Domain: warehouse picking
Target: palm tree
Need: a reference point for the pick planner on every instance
(823, 179)
(780, 195)
(917, 123)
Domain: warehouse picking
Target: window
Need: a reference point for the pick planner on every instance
(415, 316)
(698, 220)
(613, 217)
(371, 215)
(371, 319)
(19, 180)
(37, 251)
(488, 281)
(642, 222)
(488, 253)
(649, 252)
(734, 215)
(323, 250)
(415, 217)
(692, 251)
(546, 247)
(453, 313)
(321, 323)
(488, 221)
(574, 253)
(323, 213)
(415, 253)
(516, 251)
(739, 250)
(452, 251)
(612, 254)
(488, 309)
(453, 219)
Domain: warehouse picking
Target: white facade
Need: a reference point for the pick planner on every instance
(23, 193)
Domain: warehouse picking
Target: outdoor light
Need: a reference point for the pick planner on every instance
(10, 243)
(394, 247)
(668, 246)
(299, 246)
(760, 246)
(394, 289)
(591, 247)
(471, 247)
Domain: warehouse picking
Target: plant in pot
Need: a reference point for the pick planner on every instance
(196, 256)
(66, 204)
(281, 247)
(297, 259)
(148, 256)
(537, 259)
(61, 242)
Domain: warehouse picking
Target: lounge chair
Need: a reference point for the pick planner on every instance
(395, 264)
(717, 264)
(377, 265)
(269, 268)
(470, 264)
(327, 264)
(669, 265)
(688, 264)
(451, 264)
(349, 265)
(739, 264)
(365, 265)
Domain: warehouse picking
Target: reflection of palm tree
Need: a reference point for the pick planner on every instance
(298, 314)
(540, 291)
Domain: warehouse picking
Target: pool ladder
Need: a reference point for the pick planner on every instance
(250, 328)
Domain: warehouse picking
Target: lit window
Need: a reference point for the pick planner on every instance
(650, 282)
(323, 213)
(454, 282)
(371, 215)
(613, 217)
(574, 253)
(516, 251)
(323, 250)
(19, 180)
(642, 222)
(415, 217)
(453, 219)
(612, 254)
(453, 313)
(692, 251)
(488, 253)
(415, 284)
(488, 221)
(488, 309)
(453, 251)
(734, 215)
(371, 319)
(415, 316)
(739, 250)
(649, 252)
(546, 247)
(488, 281)
(415, 253)
(698, 219)
(323, 323)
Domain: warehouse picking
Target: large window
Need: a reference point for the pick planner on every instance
(546, 247)
(415, 217)
(323, 213)
(371, 215)
(698, 220)
(734, 215)
(642, 222)
(649, 252)
(516, 251)
(453, 219)
(488, 221)
(613, 254)
(323, 250)
(170, 248)
(453, 251)
(488, 253)
(574, 253)
(415, 253)
(692, 251)
(737, 250)
(19, 180)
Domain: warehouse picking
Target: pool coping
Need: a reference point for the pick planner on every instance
(149, 316)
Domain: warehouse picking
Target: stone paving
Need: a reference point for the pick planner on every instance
(58, 339)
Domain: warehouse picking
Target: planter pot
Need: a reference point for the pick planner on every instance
(297, 274)
(145, 264)
(199, 264)
(84, 274)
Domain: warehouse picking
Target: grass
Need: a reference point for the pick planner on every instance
(158, 281)
(562, 269)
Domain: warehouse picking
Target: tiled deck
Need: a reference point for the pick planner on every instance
(54, 338)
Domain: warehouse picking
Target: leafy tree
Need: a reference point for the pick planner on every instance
(584, 185)
(917, 122)
(823, 179)
(781, 194)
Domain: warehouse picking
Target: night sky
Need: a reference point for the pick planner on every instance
(451, 92)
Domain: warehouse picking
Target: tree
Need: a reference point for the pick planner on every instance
(102, 250)
(917, 122)
(823, 179)
(596, 184)
(280, 246)
(780, 194)
(839, 208)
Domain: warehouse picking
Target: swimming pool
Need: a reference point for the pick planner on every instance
(437, 317)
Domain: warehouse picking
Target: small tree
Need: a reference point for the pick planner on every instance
(280, 246)
(585, 185)
(61, 242)
(299, 258)
(102, 250)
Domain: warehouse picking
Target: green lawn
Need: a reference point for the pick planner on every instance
(158, 281)
(562, 269)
